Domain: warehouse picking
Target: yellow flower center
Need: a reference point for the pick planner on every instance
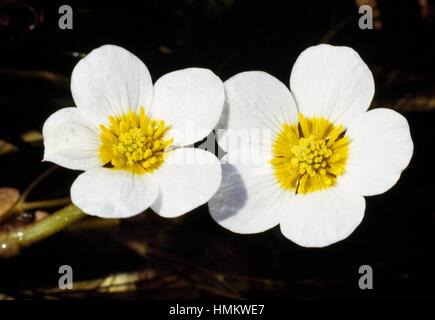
(134, 143)
(309, 156)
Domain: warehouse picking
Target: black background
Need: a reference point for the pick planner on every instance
(188, 254)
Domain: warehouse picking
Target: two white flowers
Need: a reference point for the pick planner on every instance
(133, 140)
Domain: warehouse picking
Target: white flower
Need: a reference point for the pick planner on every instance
(325, 153)
(129, 137)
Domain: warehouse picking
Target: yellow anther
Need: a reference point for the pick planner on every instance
(157, 144)
(160, 129)
(133, 142)
(310, 155)
(147, 153)
(150, 131)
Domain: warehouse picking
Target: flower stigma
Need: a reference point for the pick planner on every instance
(134, 142)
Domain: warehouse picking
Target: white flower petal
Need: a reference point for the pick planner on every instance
(187, 179)
(110, 81)
(110, 193)
(257, 105)
(322, 218)
(380, 149)
(331, 82)
(190, 101)
(249, 199)
(70, 141)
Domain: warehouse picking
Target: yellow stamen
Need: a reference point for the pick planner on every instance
(309, 156)
(134, 143)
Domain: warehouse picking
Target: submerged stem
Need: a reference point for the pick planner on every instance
(11, 242)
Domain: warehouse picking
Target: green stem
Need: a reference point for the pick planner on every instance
(22, 206)
(37, 181)
(43, 204)
(11, 242)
